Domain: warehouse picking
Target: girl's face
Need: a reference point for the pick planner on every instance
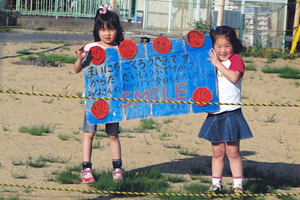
(107, 36)
(223, 48)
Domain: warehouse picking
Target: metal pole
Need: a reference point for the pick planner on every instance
(220, 13)
(170, 15)
(242, 18)
(18, 6)
(198, 10)
(145, 14)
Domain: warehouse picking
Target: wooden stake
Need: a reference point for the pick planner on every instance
(220, 13)
(296, 18)
(112, 4)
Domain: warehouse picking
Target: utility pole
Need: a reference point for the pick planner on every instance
(296, 18)
(220, 13)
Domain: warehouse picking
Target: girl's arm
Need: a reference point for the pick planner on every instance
(233, 76)
(81, 54)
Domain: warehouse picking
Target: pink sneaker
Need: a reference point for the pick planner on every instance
(87, 176)
(118, 175)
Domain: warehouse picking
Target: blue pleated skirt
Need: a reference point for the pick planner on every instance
(228, 126)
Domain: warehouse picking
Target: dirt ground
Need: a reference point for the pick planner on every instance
(275, 144)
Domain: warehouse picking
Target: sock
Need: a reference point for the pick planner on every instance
(238, 181)
(217, 181)
(86, 165)
(117, 163)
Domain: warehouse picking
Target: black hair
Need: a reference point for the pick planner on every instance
(229, 33)
(111, 19)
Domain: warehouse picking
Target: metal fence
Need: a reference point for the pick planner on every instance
(77, 8)
(58, 8)
(262, 21)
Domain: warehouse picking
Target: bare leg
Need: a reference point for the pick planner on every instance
(115, 146)
(235, 160)
(219, 150)
(87, 143)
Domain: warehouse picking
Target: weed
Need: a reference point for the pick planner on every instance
(146, 141)
(59, 58)
(175, 179)
(196, 188)
(79, 94)
(173, 146)
(19, 176)
(75, 168)
(250, 68)
(28, 58)
(96, 146)
(5, 30)
(36, 130)
(54, 42)
(202, 26)
(39, 28)
(128, 136)
(35, 163)
(48, 101)
(271, 119)
(248, 61)
(63, 137)
(20, 163)
(285, 72)
(163, 135)
(101, 135)
(244, 97)
(166, 121)
(186, 152)
(147, 124)
(255, 51)
(24, 52)
(51, 159)
(136, 181)
(297, 83)
(5, 128)
(68, 177)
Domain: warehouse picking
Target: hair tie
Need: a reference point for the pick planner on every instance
(215, 27)
(104, 8)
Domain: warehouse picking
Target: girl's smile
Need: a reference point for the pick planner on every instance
(223, 48)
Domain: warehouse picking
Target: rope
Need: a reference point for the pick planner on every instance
(152, 193)
(147, 101)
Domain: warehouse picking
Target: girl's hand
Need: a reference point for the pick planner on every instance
(81, 54)
(214, 58)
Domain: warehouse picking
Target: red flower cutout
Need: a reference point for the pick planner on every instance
(100, 109)
(202, 94)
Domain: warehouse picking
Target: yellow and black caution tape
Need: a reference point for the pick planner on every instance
(147, 101)
(152, 193)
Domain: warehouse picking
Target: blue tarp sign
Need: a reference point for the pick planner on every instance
(183, 73)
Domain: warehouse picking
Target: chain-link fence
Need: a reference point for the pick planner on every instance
(259, 21)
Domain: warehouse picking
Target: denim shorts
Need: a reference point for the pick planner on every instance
(110, 128)
(228, 126)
